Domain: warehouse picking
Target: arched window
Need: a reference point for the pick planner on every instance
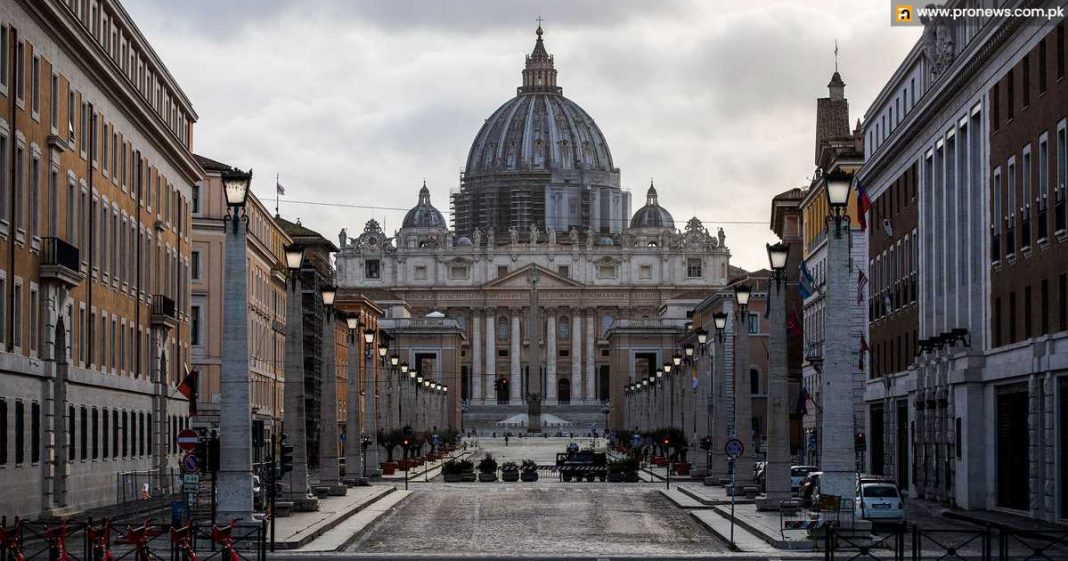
(564, 328)
(502, 328)
(754, 381)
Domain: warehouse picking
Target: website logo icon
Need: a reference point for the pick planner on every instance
(903, 13)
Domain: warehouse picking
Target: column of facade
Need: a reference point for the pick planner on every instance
(591, 360)
(476, 358)
(743, 400)
(550, 357)
(491, 355)
(777, 470)
(329, 472)
(576, 355)
(515, 385)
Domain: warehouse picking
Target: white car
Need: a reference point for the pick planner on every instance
(880, 501)
(797, 475)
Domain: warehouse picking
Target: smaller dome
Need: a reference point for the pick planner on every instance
(652, 215)
(424, 215)
(463, 241)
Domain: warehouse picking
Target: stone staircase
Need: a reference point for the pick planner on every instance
(584, 417)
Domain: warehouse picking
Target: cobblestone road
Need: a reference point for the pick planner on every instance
(546, 517)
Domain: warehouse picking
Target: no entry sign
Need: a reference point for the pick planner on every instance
(188, 440)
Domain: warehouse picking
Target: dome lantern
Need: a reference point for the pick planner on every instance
(652, 215)
(424, 215)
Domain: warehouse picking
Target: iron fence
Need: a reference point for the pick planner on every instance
(914, 543)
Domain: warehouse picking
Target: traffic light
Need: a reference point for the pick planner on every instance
(407, 430)
(286, 459)
(667, 442)
(405, 443)
(860, 442)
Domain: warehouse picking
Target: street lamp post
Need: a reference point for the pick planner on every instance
(743, 404)
(295, 419)
(777, 450)
(235, 418)
(837, 449)
(370, 453)
(352, 397)
(717, 467)
(329, 469)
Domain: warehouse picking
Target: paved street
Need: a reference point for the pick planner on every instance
(547, 517)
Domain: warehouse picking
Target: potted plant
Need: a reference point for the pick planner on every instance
(389, 440)
(528, 471)
(510, 471)
(487, 468)
(458, 470)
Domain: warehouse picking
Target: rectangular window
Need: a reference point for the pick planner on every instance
(20, 187)
(96, 433)
(1062, 290)
(105, 145)
(3, 179)
(645, 272)
(3, 84)
(1025, 202)
(1060, 50)
(1012, 317)
(126, 434)
(1042, 66)
(35, 87)
(420, 272)
(35, 432)
(995, 106)
(34, 328)
(70, 116)
(16, 316)
(372, 269)
(115, 433)
(1025, 92)
(564, 271)
(996, 217)
(83, 442)
(72, 434)
(20, 432)
(194, 262)
(1042, 200)
(502, 270)
(1028, 318)
(606, 271)
(693, 268)
(753, 323)
(20, 71)
(1010, 98)
(3, 430)
(35, 196)
(53, 101)
(104, 434)
(194, 325)
(457, 273)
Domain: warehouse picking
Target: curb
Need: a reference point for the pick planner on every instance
(283, 546)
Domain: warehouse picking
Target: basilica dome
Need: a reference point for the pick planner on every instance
(652, 215)
(424, 215)
(539, 129)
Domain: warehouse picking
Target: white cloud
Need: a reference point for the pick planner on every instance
(358, 102)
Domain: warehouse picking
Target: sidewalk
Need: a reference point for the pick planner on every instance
(996, 519)
(300, 528)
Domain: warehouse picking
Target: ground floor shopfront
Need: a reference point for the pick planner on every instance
(979, 432)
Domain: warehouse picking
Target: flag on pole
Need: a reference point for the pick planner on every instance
(188, 388)
(863, 206)
(862, 281)
(807, 282)
(802, 403)
(278, 187)
(863, 349)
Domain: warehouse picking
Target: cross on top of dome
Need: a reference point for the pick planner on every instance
(539, 75)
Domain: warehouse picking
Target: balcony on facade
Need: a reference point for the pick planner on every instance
(164, 312)
(60, 261)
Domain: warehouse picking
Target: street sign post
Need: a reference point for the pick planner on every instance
(188, 440)
(190, 464)
(733, 448)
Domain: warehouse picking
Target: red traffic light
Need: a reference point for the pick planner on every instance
(667, 441)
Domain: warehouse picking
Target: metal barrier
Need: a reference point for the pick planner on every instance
(914, 543)
(78, 541)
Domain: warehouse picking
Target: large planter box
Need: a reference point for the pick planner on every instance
(528, 476)
(389, 468)
(487, 477)
(631, 477)
(659, 461)
(510, 475)
(467, 476)
(453, 478)
(616, 477)
(682, 468)
(402, 464)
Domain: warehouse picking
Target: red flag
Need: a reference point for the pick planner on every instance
(863, 206)
(793, 324)
(188, 388)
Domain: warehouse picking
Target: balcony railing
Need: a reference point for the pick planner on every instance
(164, 312)
(60, 261)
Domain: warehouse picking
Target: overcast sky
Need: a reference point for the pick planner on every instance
(356, 102)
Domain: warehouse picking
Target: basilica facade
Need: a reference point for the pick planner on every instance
(541, 200)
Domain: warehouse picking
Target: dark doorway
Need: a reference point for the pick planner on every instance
(465, 383)
(902, 469)
(602, 379)
(502, 391)
(875, 434)
(1013, 441)
(644, 365)
(563, 391)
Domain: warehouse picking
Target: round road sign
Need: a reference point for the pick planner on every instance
(734, 448)
(188, 439)
(190, 463)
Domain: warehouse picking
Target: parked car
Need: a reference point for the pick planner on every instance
(808, 487)
(880, 501)
(797, 474)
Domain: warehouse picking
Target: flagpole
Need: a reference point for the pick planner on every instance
(276, 194)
